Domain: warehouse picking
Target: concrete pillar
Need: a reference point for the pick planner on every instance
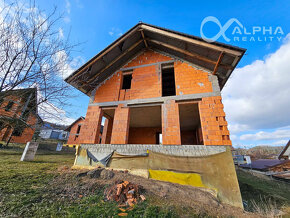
(120, 133)
(170, 123)
(107, 131)
(90, 131)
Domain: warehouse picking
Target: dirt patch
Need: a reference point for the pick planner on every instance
(69, 185)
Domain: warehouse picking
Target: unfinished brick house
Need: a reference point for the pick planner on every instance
(158, 94)
(18, 115)
(154, 85)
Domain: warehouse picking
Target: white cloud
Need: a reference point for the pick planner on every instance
(280, 142)
(66, 19)
(67, 6)
(236, 128)
(51, 113)
(234, 137)
(79, 4)
(262, 135)
(257, 95)
(60, 33)
(115, 32)
(67, 67)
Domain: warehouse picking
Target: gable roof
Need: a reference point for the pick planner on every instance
(264, 164)
(285, 153)
(218, 58)
(71, 125)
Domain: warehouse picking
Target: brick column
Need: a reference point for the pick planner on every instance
(107, 131)
(213, 122)
(89, 133)
(121, 123)
(170, 123)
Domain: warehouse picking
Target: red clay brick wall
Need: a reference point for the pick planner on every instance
(146, 81)
(120, 132)
(109, 90)
(144, 135)
(27, 133)
(16, 109)
(90, 131)
(170, 123)
(189, 80)
(73, 138)
(213, 122)
(147, 57)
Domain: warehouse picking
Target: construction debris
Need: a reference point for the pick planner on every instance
(126, 194)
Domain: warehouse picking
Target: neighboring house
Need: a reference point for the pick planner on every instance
(53, 131)
(155, 83)
(265, 165)
(281, 164)
(242, 159)
(277, 168)
(74, 131)
(285, 154)
(18, 115)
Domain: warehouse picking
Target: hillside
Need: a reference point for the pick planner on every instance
(260, 152)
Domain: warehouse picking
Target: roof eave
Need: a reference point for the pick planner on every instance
(239, 52)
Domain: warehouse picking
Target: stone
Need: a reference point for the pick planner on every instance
(107, 174)
(96, 173)
(82, 174)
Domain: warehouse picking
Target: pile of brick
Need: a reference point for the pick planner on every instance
(126, 194)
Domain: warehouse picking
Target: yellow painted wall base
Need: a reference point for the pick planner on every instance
(214, 173)
(192, 179)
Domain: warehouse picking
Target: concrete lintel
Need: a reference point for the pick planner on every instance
(147, 104)
(146, 65)
(159, 100)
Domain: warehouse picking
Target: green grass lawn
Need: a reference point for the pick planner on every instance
(26, 191)
(39, 189)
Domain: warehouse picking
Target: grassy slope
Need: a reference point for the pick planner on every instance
(24, 192)
(263, 190)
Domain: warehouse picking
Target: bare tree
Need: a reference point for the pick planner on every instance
(33, 54)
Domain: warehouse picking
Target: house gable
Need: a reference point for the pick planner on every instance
(218, 58)
(147, 79)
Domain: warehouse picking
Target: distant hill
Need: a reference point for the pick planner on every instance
(261, 152)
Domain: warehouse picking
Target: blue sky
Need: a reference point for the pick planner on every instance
(253, 117)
